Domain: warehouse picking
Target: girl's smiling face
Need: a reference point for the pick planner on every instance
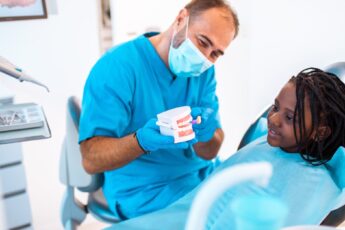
(281, 120)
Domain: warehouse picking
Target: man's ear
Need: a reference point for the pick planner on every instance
(182, 15)
(322, 133)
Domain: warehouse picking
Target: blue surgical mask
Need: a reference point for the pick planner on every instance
(186, 60)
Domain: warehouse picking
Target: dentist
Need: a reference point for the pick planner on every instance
(132, 83)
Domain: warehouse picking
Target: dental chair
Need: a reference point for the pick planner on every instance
(259, 128)
(73, 176)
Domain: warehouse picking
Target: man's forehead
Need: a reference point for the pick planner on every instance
(215, 25)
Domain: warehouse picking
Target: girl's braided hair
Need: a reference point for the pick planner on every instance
(326, 95)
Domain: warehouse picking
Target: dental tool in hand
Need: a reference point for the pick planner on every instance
(17, 73)
(197, 120)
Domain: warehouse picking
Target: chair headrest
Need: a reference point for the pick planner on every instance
(259, 129)
(338, 69)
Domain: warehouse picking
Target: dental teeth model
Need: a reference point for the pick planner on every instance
(177, 122)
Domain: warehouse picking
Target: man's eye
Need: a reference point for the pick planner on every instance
(214, 55)
(203, 44)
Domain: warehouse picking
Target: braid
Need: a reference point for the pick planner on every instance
(326, 95)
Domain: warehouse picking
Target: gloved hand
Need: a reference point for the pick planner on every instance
(205, 130)
(150, 138)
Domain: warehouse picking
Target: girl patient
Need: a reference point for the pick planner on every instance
(306, 126)
(308, 116)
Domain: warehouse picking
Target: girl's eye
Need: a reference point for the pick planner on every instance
(289, 118)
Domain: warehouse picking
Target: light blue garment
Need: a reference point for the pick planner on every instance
(337, 168)
(310, 192)
(128, 86)
(187, 60)
(269, 212)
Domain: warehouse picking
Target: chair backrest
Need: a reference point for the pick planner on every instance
(336, 217)
(73, 175)
(72, 172)
(256, 129)
(338, 69)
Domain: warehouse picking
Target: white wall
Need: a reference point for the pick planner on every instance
(59, 51)
(133, 17)
(276, 40)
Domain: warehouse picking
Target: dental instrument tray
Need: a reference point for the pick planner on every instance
(21, 116)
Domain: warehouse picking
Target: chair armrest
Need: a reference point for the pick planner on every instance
(335, 218)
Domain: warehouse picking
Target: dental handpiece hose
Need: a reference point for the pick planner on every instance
(17, 73)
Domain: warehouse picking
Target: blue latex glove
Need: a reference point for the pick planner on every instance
(150, 138)
(205, 130)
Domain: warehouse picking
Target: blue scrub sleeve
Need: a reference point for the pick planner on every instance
(106, 105)
(208, 96)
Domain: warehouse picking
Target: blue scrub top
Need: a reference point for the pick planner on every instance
(128, 86)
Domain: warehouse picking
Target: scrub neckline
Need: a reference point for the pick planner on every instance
(162, 68)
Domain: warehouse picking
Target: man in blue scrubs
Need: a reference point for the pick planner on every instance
(132, 83)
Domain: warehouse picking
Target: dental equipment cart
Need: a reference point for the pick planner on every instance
(18, 123)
